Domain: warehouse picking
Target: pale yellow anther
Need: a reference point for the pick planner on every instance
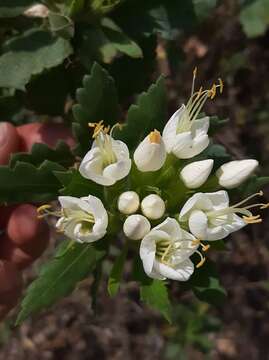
(194, 72)
(265, 206)
(205, 247)
(201, 263)
(252, 219)
(221, 85)
(212, 92)
(155, 137)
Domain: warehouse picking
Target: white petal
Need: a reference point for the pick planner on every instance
(136, 227)
(117, 171)
(182, 272)
(171, 227)
(219, 199)
(147, 250)
(189, 205)
(198, 224)
(153, 207)
(170, 129)
(195, 147)
(200, 126)
(182, 144)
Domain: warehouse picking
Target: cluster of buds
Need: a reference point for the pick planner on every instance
(169, 232)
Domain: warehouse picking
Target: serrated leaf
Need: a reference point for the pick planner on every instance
(97, 101)
(148, 114)
(29, 54)
(76, 185)
(116, 273)
(59, 277)
(206, 285)
(12, 8)
(255, 18)
(120, 40)
(41, 152)
(27, 183)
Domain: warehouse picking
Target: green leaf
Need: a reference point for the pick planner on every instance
(154, 294)
(202, 8)
(255, 18)
(116, 273)
(27, 183)
(61, 25)
(216, 124)
(255, 184)
(119, 40)
(41, 152)
(12, 8)
(76, 185)
(94, 45)
(97, 101)
(59, 277)
(30, 54)
(147, 115)
(206, 285)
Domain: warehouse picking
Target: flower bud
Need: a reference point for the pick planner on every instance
(136, 227)
(150, 154)
(234, 173)
(153, 207)
(195, 174)
(128, 202)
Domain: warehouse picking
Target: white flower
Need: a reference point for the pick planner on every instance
(210, 217)
(108, 160)
(128, 202)
(195, 174)
(234, 173)
(153, 206)
(185, 135)
(82, 219)
(136, 227)
(165, 252)
(150, 154)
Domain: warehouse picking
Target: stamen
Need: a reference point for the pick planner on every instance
(193, 80)
(117, 125)
(203, 259)
(212, 92)
(196, 242)
(155, 137)
(260, 193)
(98, 128)
(264, 206)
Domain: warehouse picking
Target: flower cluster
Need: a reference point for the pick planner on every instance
(159, 206)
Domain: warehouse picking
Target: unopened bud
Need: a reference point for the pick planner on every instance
(150, 154)
(136, 227)
(153, 207)
(128, 202)
(234, 173)
(195, 174)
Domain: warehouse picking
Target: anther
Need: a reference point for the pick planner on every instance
(155, 137)
(205, 247)
(265, 206)
(221, 85)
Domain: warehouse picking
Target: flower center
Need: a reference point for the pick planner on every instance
(69, 217)
(104, 142)
(248, 217)
(164, 250)
(195, 103)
